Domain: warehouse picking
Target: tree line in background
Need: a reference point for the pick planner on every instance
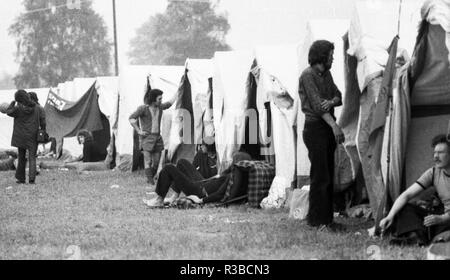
(60, 44)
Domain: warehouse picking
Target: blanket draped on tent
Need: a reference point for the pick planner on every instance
(65, 118)
(260, 177)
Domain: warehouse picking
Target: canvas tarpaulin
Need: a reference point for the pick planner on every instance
(430, 88)
(231, 70)
(107, 89)
(191, 108)
(65, 118)
(369, 40)
(276, 73)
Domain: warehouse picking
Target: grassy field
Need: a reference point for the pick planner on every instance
(69, 215)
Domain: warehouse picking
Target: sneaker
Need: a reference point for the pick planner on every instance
(153, 203)
(32, 182)
(171, 200)
(20, 182)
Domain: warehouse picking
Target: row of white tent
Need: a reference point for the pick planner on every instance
(276, 70)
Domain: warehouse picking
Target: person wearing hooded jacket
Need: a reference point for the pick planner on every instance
(27, 122)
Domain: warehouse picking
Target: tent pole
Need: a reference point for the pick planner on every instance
(116, 55)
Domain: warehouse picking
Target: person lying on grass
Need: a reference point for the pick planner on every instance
(184, 177)
(415, 224)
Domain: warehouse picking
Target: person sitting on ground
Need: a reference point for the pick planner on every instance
(205, 161)
(204, 191)
(415, 224)
(91, 152)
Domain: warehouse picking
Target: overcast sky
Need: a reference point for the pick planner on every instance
(253, 22)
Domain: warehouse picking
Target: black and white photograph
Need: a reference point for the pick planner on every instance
(225, 135)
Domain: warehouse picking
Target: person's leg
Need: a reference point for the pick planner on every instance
(320, 205)
(189, 170)
(410, 219)
(32, 164)
(20, 170)
(147, 165)
(171, 176)
(155, 158)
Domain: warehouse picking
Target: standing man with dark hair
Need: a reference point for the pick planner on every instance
(319, 95)
(26, 126)
(413, 223)
(147, 123)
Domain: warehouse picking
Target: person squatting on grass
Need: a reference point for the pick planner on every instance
(319, 95)
(184, 177)
(412, 223)
(27, 122)
(146, 120)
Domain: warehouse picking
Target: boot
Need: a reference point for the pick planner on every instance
(149, 174)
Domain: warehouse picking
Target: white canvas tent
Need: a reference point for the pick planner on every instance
(195, 90)
(107, 89)
(429, 88)
(133, 84)
(276, 73)
(6, 122)
(229, 103)
(373, 26)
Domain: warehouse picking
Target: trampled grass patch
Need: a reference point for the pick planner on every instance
(79, 215)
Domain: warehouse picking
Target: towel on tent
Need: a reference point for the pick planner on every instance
(260, 177)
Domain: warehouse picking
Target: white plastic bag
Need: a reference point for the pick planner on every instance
(299, 203)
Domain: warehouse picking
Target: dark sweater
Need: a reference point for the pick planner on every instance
(206, 165)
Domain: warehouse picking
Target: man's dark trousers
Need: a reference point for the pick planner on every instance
(319, 139)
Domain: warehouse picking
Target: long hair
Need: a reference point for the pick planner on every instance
(22, 97)
(86, 134)
(151, 96)
(34, 97)
(319, 52)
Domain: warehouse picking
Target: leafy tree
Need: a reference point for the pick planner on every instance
(59, 44)
(186, 29)
(6, 81)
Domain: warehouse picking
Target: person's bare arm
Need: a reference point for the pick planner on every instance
(337, 131)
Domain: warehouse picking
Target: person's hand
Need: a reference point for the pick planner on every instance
(327, 105)
(195, 199)
(432, 220)
(142, 133)
(338, 134)
(386, 223)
